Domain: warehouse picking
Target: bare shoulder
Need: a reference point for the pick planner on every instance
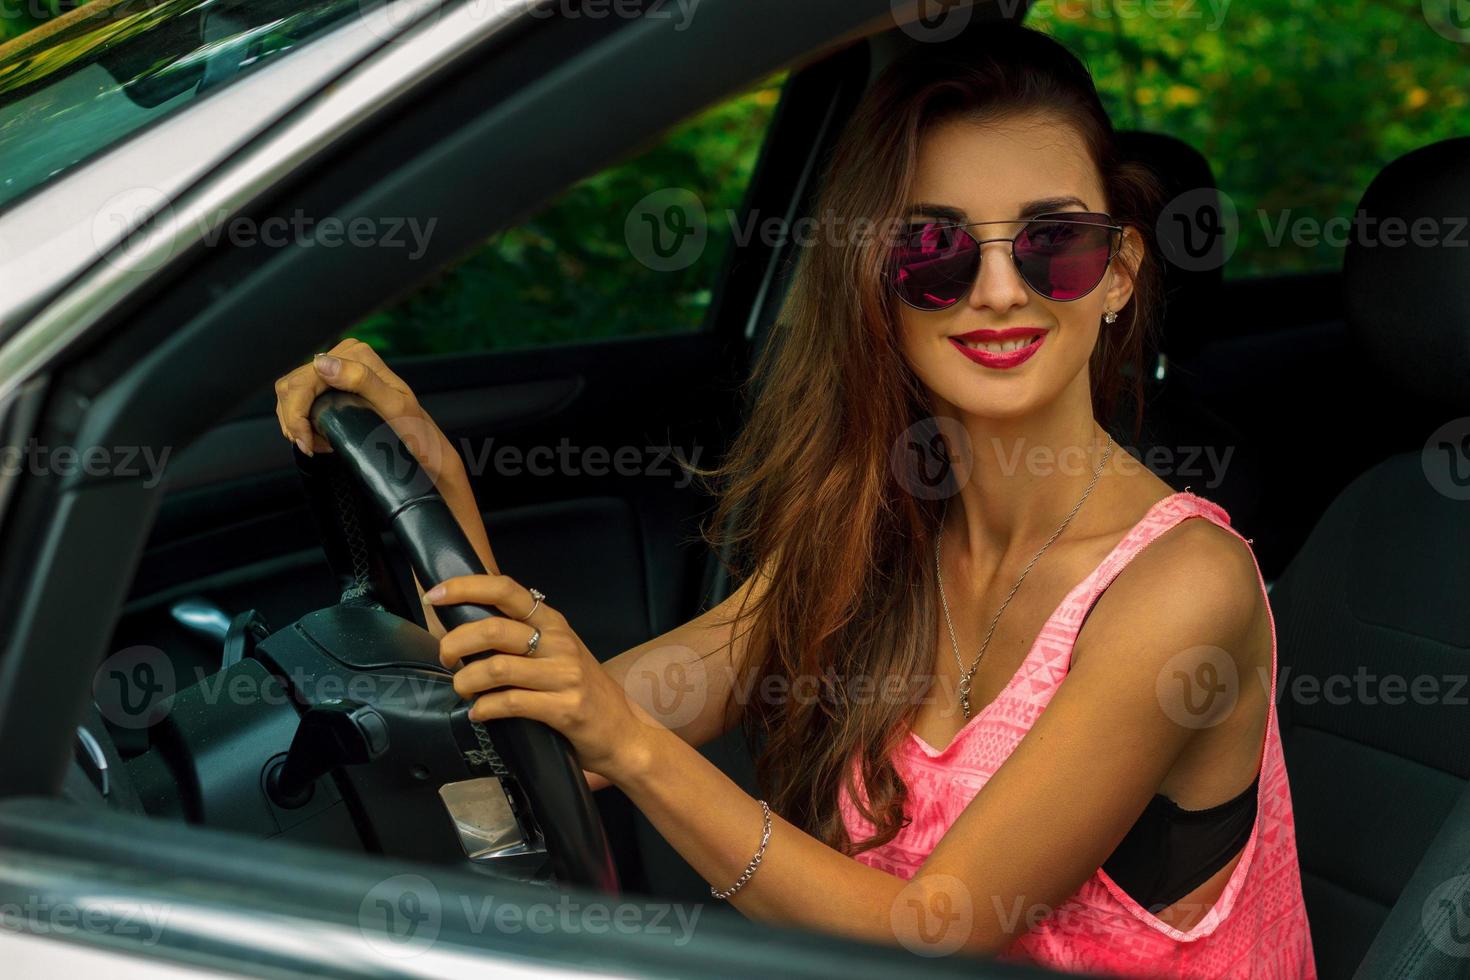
(1194, 586)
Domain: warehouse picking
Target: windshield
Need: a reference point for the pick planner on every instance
(90, 78)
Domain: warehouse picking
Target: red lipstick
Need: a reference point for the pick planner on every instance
(1009, 359)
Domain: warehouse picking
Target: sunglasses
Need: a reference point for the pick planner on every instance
(1061, 256)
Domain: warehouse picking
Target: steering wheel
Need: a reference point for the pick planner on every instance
(539, 758)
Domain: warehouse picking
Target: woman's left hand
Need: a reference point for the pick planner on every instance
(561, 684)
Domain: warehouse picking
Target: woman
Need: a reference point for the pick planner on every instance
(940, 541)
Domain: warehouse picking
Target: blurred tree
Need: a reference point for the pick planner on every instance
(1296, 105)
(568, 273)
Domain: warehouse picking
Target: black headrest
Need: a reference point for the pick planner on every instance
(1191, 292)
(1408, 285)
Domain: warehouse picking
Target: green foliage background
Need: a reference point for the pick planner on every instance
(567, 274)
(19, 16)
(1296, 103)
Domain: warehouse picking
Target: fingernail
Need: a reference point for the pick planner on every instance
(434, 594)
(327, 365)
(302, 445)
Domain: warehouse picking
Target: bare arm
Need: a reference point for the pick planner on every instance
(1047, 819)
(686, 677)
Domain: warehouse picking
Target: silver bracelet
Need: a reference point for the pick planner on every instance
(760, 852)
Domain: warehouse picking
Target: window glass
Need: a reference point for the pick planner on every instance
(633, 250)
(1296, 106)
(81, 83)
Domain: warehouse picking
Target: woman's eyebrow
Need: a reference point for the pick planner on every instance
(1043, 205)
(942, 211)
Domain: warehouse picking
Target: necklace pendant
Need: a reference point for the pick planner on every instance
(965, 696)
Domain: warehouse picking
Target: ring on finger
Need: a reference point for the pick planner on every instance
(533, 642)
(538, 595)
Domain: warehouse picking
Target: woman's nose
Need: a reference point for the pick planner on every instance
(998, 284)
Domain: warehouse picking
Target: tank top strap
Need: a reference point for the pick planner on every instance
(1165, 514)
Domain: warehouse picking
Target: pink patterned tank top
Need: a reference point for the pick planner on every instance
(1257, 927)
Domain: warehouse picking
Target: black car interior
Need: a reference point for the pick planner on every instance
(252, 561)
(1379, 779)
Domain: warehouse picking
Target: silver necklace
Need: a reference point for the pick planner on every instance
(967, 674)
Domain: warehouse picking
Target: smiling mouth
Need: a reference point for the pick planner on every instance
(1007, 346)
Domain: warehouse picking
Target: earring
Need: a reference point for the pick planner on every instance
(1109, 316)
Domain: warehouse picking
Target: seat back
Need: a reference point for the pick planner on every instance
(1373, 617)
(1192, 285)
(1181, 431)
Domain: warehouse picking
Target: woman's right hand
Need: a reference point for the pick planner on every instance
(354, 366)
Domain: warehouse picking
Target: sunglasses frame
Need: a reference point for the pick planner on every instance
(1049, 218)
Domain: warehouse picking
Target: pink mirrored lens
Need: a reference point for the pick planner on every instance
(1064, 260)
(934, 265)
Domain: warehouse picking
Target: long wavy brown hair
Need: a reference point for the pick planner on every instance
(842, 639)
